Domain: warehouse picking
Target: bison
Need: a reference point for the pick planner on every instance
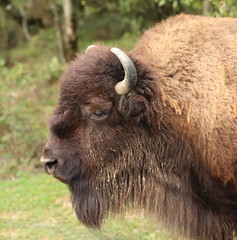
(155, 128)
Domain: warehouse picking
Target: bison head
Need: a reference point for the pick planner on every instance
(101, 132)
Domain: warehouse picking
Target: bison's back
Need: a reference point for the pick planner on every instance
(195, 61)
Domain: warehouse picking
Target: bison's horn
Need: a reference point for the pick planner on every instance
(130, 78)
(89, 47)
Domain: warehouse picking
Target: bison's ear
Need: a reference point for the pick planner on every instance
(135, 107)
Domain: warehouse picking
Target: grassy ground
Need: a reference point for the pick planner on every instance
(37, 207)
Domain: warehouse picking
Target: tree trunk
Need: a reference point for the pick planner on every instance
(4, 53)
(24, 24)
(59, 33)
(205, 7)
(70, 36)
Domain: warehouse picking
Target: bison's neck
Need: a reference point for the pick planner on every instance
(168, 180)
(181, 190)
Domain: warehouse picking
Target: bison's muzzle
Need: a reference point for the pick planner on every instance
(52, 164)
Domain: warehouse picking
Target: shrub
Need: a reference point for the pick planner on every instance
(27, 97)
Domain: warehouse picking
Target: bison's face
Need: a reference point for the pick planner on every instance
(83, 139)
(96, 135)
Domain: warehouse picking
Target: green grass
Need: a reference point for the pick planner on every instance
(37, 207)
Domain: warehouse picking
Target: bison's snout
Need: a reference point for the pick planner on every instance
(51, 162)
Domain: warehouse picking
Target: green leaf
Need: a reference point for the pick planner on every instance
(175, 4)
(2, 62)
(161, 3)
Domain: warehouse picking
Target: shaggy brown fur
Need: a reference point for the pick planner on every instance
(170, 145)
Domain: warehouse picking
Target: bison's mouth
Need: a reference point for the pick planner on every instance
(59, 170)
(61, 179)
(53, 171)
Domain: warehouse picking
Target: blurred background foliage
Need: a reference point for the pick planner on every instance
(34, 51)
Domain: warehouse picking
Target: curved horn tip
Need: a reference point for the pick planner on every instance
(130, 79)
(89, 47)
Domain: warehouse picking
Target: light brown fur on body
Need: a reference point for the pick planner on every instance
(169, 146)
(195, 59)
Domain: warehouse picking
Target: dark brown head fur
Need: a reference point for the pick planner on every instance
(154, 148)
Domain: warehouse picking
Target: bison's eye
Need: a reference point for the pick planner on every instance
(98, 114)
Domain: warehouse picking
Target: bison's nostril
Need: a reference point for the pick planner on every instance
(51, 166)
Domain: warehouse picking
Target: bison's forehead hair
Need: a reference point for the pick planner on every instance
(94, 73)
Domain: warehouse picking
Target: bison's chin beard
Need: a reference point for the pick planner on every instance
(90, 205)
